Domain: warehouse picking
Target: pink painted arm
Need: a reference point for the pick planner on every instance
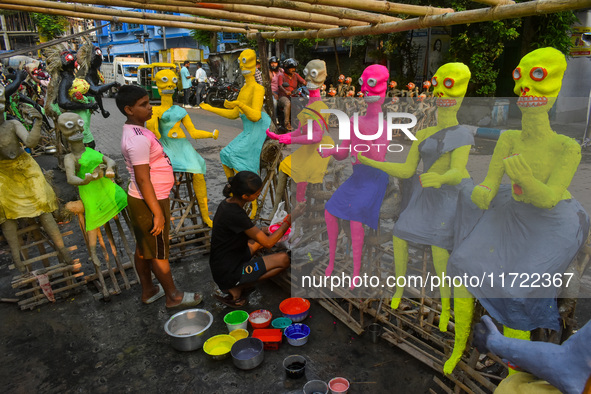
(300, 135)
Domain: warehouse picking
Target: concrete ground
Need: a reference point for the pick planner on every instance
(84, 345)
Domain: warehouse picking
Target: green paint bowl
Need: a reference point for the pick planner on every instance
(236, 320)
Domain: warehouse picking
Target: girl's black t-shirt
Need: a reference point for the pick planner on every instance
(229, 244)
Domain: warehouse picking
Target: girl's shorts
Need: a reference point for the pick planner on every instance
(142, 221)
(252, 270)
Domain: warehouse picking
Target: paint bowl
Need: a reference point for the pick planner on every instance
(275, 227)
(338, 386)
(297, 334)
(316, 387)
(261, 318)
(281, 323)
(239, 334)
(218, 347)
(187, 329)
(295, 366)
(295, 308)
(248, 353)
(236, 320)
(271, 337)
(374, 330)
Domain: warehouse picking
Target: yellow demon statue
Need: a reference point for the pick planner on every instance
(243, 153)
(166, 125)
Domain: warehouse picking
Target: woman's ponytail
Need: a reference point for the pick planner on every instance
(243, 183)
(227, 192)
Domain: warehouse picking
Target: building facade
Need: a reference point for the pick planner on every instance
(122, 39)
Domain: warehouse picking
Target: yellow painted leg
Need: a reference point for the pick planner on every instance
(201, 194)
(440, 257)
(463, 312)
(228, 171)
(254, 208)
(400, 263)
(518, 334)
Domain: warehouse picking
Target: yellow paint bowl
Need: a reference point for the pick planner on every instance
(239, 334)
(218, 347)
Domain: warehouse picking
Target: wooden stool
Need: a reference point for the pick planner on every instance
(45, 260)
(188, 234)
(124, 263)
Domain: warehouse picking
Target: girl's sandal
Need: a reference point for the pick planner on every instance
(229, 301)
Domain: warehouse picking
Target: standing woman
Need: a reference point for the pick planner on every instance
(235, 239)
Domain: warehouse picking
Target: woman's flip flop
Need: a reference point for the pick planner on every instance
(229, 301)
(187, 301)
(156, 296)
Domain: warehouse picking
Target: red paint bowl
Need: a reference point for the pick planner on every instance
(295, 308)
(260, 318)
(338, 386)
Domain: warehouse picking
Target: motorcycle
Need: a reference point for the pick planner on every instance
(299, 99)
(219, 91)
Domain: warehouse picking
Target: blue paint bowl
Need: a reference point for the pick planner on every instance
(297, 334)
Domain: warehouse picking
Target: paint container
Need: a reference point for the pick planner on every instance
(260, 318)
(236, 320)
(295, 366)
(239, 334)
(297, 334)
(374, 330)
(315, 387)
(338, 386)
(281, 323)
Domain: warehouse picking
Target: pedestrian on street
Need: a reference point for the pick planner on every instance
(186, 83)
(201, 78)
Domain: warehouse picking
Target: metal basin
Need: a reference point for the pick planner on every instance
(248, 353)
(186, 329)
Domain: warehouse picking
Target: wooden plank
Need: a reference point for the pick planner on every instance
(108, 263)
(116, 255)
(42, 257)
(343, 316)
(440, 383)
(52, 283)
(23, 280)
(44, 300)
(128, 250)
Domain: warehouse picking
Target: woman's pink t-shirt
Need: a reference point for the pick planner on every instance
(140, 146)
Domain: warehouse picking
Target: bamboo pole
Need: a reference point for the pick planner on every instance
(135, 14)
(122, 19)
(266, 11)
(383, 6)
(334, 10)
(493, 3)
(49, 43)
(183, 8)
(519, 10)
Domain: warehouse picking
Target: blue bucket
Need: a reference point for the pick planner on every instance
(297, 334)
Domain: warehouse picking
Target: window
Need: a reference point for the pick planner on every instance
(116, 26)
(230, 36)
(133, 26)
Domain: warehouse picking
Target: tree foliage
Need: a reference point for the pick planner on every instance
(50, 26)
(552, 30)
(205, 38)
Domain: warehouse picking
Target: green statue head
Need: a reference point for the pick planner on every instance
(450, 83)
(538, 79)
